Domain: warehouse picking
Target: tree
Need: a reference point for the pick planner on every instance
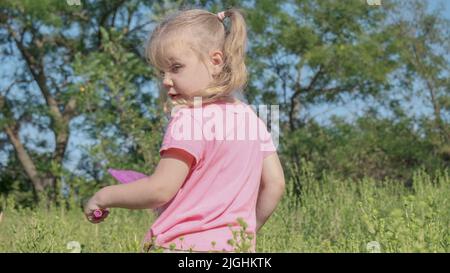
(311, 52)
(426, 58)
(47, 39)
(80, 68)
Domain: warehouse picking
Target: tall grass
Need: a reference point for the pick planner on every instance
(329, 215)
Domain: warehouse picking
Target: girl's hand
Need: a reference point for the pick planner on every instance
(93, 212)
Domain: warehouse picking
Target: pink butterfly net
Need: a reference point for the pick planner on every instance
(124, 177)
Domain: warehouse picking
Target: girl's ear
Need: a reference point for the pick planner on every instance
(217, 61)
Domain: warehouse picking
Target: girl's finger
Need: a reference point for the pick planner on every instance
(96, 221)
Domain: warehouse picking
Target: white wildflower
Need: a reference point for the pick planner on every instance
(373, 247)
(74, 246)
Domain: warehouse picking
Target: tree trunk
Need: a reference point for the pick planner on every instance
(25, 160)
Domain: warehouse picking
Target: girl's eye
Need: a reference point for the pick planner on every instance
(161, 74)
(176, 68)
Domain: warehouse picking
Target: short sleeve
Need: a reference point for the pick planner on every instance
(266, 140)
(184, 132)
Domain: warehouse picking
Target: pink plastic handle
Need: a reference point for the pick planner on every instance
(98, 213)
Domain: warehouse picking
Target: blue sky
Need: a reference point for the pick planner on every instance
(322, 113)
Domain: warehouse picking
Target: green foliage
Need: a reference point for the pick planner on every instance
(371, 146)
(323, 49)
(122, 117)
(49, 230)
(318, 50)
(45, 11)
(331, 215)
(241, 240)
(337, 215)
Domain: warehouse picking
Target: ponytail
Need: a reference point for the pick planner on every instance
(234, 49)
(233, 76)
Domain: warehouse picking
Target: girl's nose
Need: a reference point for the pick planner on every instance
(167, 82)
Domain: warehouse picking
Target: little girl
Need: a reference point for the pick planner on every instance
(214, 176)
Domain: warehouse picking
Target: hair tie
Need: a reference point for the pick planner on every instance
(221, 15)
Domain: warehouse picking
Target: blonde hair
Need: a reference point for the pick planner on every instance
(208, 33)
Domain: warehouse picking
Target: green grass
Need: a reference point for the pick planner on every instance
(330, 215)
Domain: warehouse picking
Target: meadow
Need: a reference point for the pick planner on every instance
(326, 215)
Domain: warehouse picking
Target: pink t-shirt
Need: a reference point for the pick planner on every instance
(224, 180)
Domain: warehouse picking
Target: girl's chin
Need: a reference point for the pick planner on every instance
(179, 97)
